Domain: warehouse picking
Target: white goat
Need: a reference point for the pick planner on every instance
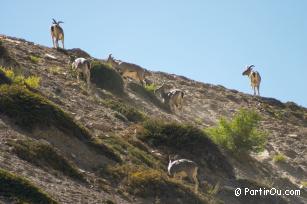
(83, 65)
(173, 97)
(254, 77)
(57, 33)
(180, 167)
(129, 70)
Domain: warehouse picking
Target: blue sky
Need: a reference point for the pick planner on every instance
(209, 41)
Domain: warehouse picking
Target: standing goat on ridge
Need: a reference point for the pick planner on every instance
(83, 65)
(254, 77)
(57, 33)
(173, 98)
(183, 166)
(128, 69)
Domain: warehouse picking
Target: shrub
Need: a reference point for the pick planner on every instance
(43, 155)
(129, 112)
(186, 141)
(29, 110)
(17, 187)
(106, 78)
(35, 59)
(279, 158)
(304, 184)
(241, 134)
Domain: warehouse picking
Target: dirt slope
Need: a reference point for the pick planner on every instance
(204, 104)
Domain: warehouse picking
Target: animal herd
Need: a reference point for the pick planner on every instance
(172, 97)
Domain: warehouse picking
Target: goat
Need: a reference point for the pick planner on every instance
(179, 167)
(173, 98)
(83, 65)
(129, 70)
(254, 77)
(57, 33)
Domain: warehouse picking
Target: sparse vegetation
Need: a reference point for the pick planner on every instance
(134, 154)
(35, 59)
(106, 78)
(31, 81)
(304, 184)
(17, 187)
(278, 158)
(186, 141)
(241, 134)
(127, 111)
(147, 182)
(44, 156)
(55, 70)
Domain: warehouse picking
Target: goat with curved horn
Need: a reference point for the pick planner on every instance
(254, 77)
(57, 33)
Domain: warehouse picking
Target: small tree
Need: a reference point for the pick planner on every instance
(241, 134)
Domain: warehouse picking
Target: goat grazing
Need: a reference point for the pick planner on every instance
(128, 69)
(179, 167)
(254, 77)
(82, 65)
(57, 33)
(173, 97)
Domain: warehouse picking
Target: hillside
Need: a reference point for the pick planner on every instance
(86, 146)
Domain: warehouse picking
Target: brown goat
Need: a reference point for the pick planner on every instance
(254, 77)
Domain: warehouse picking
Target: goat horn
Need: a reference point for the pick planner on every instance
(60, 22)
(54, 21)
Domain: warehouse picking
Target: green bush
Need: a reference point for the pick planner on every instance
(241, 134)
(43, 155)
(186, 141)
(129, 112)
(106, 78)
(29, 110)
(17, 187)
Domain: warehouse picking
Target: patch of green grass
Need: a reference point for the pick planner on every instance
(241, 134)
(278, 158)
(20, 188)
(35, 59)
(30, 82)
(33, 81)
(129, 112)
(30, 110)
(106, 78)
(43, 155)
